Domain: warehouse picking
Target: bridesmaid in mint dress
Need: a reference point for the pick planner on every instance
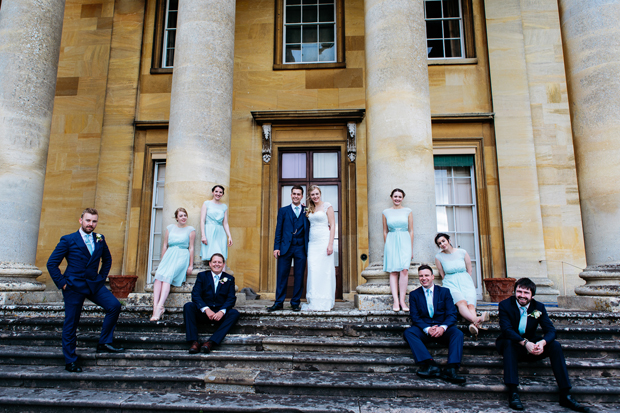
(214, 225)
(454, 266)
(177, 261)
(398, 249)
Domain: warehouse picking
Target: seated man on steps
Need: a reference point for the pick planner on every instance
(213, 299)
(433, 314)
(519, 316)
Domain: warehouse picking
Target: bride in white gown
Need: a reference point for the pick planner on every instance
(321, 287)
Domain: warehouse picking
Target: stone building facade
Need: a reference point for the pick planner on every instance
(497, 118)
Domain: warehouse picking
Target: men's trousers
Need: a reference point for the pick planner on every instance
(193, 317)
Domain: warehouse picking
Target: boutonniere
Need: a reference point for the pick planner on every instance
(98, 237)
(535, 314)
(223, 280)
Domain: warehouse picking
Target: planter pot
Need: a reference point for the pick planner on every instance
(500, 288)
(122, 285)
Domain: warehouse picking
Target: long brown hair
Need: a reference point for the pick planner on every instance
(311, 206)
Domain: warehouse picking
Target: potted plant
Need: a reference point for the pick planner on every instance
(500, 288)
(122, 285)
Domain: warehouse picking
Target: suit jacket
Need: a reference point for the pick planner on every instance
(509, 317)
(286, 227)
(204, 295)
(443, 306)
(82, 274)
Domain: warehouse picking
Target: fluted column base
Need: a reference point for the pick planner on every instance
(544, 290)
(376, 294)
(18, 284)
(601, 291)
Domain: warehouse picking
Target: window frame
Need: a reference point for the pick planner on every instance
(278, 51)
(468, 41)
(159, 32)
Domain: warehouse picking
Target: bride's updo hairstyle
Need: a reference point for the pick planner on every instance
(311, 205)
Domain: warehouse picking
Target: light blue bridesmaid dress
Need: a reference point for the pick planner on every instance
(217, 240)
(172, 268)
(456, 278)
(397, 249)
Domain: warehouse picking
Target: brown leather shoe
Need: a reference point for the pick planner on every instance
(207, 347)
(195, 348)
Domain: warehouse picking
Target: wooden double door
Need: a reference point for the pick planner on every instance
(321, 167)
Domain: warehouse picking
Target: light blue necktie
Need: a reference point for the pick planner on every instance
(89, 243)
(297, 211)
(429, 302)
(216, 281)
(523, 320)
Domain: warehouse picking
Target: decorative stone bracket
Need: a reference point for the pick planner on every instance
(351, 141)
(266, 142)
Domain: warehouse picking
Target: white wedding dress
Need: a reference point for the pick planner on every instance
(321, 287)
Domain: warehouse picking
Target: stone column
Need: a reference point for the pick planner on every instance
(30, 32)
(591, 41)
(200, 108)
(400, 145)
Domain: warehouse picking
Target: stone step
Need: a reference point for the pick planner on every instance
(298, 361)
(487, 387)
(302, 327)
(26, 400)
(320, 384)
(280, 343)
(350, 315)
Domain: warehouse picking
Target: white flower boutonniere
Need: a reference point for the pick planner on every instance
(535, 314)
(223, 280)
(99, 237)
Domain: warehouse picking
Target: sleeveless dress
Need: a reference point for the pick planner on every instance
(321, 287)
(457, 279)
(217, 241)
(172, 268)
(397, 249)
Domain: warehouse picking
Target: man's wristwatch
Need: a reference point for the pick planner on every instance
(525, 341)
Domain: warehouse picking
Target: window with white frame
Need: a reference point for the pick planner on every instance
(157, 218)
(444, 29)
(309, 31)
(455, 200)
(170, 33)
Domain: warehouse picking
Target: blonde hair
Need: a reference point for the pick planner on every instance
(176, 213)
(311, 206)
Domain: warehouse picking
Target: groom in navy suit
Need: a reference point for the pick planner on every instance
(83, 279)
(291, 243)
(213, 299)
(433, 314)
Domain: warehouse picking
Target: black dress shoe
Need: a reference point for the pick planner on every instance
(207, 347)
(429, 372)
(109, 348)
(296, 307)
(514, 401)
(568, 401)
(449, 374)
(73, 368)
(195, 348)
(275, 307)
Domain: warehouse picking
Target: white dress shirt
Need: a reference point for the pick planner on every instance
(215, 285)
(432, 288)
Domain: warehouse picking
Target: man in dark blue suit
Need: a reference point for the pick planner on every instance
(519, 317)
(83, 279)
(291, 244)
(433, 314)
(213, 299)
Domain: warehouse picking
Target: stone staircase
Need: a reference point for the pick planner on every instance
(345, 360)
